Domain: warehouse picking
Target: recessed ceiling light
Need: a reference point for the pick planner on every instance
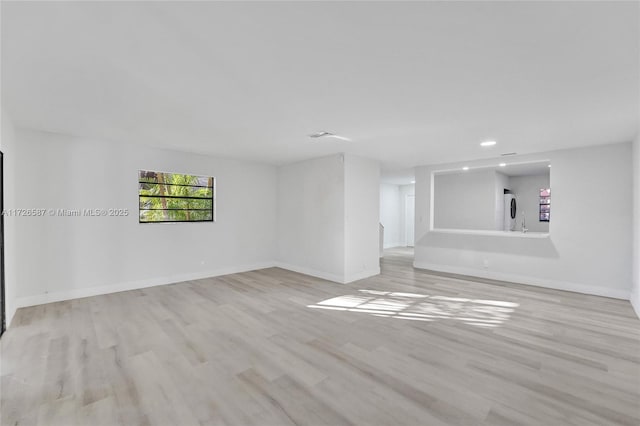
(549, 165)
(502, 164)
(488, 143)
(413, 181)
(465, 168)
(324, 134)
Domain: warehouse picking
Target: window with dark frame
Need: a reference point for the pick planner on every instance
(545, 204)
(175, 197)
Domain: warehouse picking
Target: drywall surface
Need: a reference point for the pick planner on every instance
(362, 213)
(311, 217)
(465, 200)
(328, 215)
(8, 146)
(635, 293)
(62, 257)
(527, 191)
(293, 216)
(588, 250)
(390, 214)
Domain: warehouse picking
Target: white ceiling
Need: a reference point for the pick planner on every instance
(411, 83)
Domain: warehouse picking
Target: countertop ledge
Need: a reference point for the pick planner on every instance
(502, 234)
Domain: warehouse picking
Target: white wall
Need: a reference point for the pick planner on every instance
(588, 250)
(362, 214)
(465, 200)
(328, 213)
(390, 214)
(527, 191)
(635, 295)
(8, 145)
(294, 216)
(311, 221)
(405, 191)
(66, 257)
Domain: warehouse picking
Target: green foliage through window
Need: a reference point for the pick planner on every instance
(174, 197)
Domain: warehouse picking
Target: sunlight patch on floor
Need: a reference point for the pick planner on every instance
(422, 307)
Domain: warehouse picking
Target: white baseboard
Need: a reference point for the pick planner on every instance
(392, 245)
(78, 293)
(312, 272)
(522, 279)
(362, 275)
(152, 282)
(10, 313)
(328, 276)
(132, 285)
(635, 302)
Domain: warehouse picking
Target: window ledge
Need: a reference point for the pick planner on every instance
(504, 234)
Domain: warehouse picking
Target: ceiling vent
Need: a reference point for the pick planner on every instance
(324, 134)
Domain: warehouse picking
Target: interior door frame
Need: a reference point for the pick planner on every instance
(406, 220)
(3, 326)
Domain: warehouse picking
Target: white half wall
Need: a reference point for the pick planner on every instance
(390, 214)
(8, 146)
(588, 249)
(66, 257)
(362, 213)
(311, 206)
(635, 293)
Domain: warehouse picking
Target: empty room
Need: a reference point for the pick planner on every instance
(320, 213)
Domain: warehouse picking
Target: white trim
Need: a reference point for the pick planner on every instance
(487, 164)
(133, 285)
(522, 279)
(393, 245)
(409, 217)
(10, 313)
(79, 293)
(635, 302)
(328, 276)
(311, 272)
(505, 234)
(362, 275)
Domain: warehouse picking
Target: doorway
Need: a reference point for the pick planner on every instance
(409, 210)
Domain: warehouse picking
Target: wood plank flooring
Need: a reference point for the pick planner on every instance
(274, 347)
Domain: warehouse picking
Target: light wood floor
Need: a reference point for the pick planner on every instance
(273, 347)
